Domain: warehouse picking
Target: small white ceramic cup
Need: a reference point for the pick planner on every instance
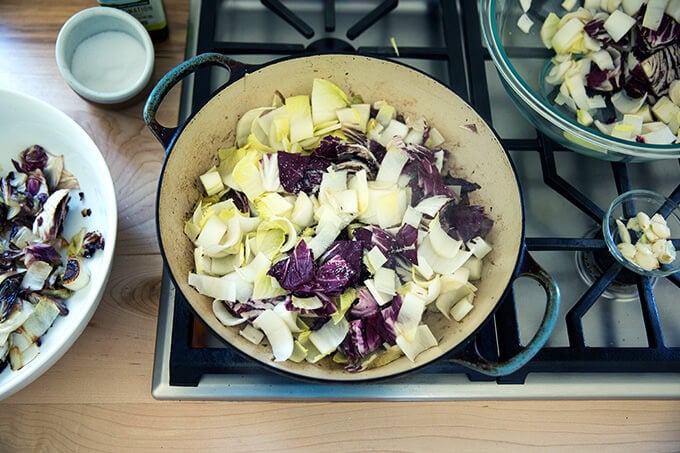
(88, 23)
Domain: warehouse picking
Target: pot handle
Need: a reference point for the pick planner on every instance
(172, 78)
(470, 356)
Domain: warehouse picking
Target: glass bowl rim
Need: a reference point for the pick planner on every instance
(608, 234)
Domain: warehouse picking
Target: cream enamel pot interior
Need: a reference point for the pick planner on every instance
(477, 155)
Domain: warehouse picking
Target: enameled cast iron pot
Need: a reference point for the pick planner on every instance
(477, 156)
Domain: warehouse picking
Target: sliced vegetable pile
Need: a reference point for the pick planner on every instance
(330, 229)
(652, 247)
(617, 65)
(39, 269)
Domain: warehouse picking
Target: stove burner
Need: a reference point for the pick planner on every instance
(330, 45)
(592, 264)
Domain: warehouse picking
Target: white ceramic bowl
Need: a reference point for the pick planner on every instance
(113, 73)
(25, 121)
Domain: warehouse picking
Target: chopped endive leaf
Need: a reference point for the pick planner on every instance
(269, 172)
(245, 123)
(303, 210)
(386, 113)
(291, 318)
(322, 132)
(223, 288)
(359, 183)
(252, 334)
(282, 225)
(456, 291)
(374, 259)
(339, 357)
(266, 287)
(329, 336)
(247, 174)
(462, 308)
(307, 303)
(254, 143)
(44, 314)
(299, 112)
(421, 341)
(346, 300)
(229, 157)
(393, 129)
(224, 315)
(355, 116)
(279, 132)
(383, 358)
(226, 264)
(278, 334)
(299, 352)
(410, 315)
(272, 204)
(250, 271)
(549, 28)
(212, 181)
(381, 298)
(390, 208)
(443, 244)
(327, 98)
(392, 165)
(385, 281)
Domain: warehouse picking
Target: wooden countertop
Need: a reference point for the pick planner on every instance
(98, 396)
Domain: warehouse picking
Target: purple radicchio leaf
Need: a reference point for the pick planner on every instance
(327, 308)
(328, 148)
(372, 236)
(300, 173)
(667, 33)
(364, 305)
(295, 271)
(32, 158)
(340, 267)
(464, 222)
(425, 179)
(41, 252)
(407, 242)
(607, 80)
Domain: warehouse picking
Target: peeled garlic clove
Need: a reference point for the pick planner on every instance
(651, 235)
(633, 224)
(646, 261)
(643, 249)
(658, 218)
(643, 220)
(623, 232)
(668, 254)
(661, 230)
(627, 250)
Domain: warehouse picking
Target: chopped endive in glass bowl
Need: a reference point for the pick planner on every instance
(616, 67)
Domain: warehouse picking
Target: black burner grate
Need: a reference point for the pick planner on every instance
(465, 57)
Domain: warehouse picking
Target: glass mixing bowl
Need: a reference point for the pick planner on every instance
(626, 206)
(521, 59)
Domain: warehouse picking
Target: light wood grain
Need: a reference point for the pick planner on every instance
(97, 397)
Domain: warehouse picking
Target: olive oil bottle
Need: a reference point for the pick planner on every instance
(151, 13)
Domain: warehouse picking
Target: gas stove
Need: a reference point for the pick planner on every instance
(618, 335)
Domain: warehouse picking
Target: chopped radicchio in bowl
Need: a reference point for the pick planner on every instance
(39, 269)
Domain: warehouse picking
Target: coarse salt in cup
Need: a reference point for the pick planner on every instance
(105, 55)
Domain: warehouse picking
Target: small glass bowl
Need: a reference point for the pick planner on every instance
(627, 205)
